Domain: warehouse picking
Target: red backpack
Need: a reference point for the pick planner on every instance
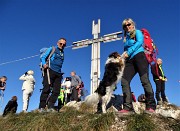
(149, 47)
(82, 85)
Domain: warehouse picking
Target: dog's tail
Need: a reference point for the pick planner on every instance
(92, 99)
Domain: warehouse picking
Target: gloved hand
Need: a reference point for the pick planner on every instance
(25, 73)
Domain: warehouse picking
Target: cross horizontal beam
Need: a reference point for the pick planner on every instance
(106, 38)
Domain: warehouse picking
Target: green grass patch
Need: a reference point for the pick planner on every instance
(101, 122)
(140, 122)
(68, 120)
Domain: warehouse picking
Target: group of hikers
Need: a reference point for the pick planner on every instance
(67, 92)
(70, 89)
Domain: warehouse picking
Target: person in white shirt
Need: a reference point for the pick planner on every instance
(27, 88)
(67, 84)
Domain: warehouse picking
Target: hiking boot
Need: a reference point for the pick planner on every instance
(51, 110)
(98, 112)
(149, 111)
(159, 102)
(126, 112)
(24, 111)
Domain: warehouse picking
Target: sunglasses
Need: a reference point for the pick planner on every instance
(63, 44)
(127, 25)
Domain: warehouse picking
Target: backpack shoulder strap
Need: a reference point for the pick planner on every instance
(52, 52)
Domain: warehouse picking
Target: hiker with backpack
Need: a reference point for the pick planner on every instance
(159, 79)
(75, 85)
(27, 88)
(52, 74)
(136, 62)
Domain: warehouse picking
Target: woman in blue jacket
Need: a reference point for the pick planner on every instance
(136, 62)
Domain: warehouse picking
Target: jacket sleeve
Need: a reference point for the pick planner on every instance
(137, 44)
(43, 58)
(9, 105)
(79, 80)
(27, 77)
(154, 71)
(23, 77)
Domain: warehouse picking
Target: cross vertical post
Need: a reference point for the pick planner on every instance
(95, 57)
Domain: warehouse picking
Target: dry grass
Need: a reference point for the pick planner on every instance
(140, 122)
(70, 119)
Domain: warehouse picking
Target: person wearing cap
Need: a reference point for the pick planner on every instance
(27, 88)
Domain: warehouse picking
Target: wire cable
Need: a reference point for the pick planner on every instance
(29, 57)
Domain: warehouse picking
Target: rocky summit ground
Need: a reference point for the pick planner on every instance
(80, 117)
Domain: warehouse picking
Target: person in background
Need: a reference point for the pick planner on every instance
(27, 88)
(136, 62)
(75, 85)
(80, 90)
(52, 71)
(67, 84)
(11, 106)
(159, 79)
(3, 80)
(61, 98)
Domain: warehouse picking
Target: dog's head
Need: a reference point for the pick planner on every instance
(115, 57)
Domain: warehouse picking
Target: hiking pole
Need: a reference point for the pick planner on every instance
(48, 76)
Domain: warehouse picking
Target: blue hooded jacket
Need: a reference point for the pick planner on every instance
(134, 46)
(56, 59)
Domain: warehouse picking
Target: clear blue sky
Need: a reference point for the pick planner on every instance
(28, 25)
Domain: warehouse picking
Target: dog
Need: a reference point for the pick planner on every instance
(114, 68)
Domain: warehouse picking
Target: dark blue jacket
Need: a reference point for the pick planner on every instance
(56, 59)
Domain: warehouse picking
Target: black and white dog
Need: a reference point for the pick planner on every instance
(114, 68)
